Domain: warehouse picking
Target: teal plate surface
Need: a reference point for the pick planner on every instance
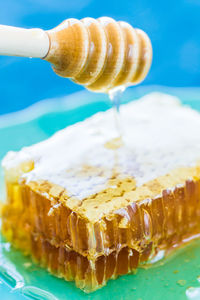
(178, 277)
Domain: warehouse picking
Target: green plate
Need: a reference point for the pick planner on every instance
(178, 277)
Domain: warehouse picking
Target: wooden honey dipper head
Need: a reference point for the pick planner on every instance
(100, 54)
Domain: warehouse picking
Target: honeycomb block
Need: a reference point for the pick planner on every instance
(89, 208)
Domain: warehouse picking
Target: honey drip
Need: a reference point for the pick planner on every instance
(115, 97)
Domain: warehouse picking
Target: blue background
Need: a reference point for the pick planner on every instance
(173, 27)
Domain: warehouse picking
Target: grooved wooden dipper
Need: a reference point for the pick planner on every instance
(99, 54)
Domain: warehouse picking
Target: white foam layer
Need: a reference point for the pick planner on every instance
(159, 135)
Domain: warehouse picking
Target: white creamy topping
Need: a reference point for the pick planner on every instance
(159, 135)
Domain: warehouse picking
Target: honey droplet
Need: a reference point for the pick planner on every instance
(114, 144)
(181, 282)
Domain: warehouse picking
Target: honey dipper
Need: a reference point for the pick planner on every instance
(99, 54)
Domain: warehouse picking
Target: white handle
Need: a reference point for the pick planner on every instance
(23, 42)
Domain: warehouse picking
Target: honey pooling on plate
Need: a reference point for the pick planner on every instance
(100, 54)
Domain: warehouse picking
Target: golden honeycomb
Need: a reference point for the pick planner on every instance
(88, 250)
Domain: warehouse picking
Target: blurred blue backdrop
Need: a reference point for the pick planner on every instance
(173, 27)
